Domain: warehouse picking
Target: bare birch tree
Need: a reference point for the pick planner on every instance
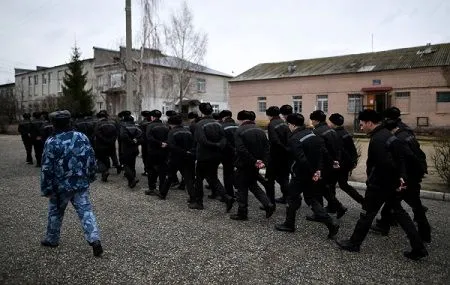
(150, 40)
(188, 47)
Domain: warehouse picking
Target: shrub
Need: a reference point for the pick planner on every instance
(441, 159)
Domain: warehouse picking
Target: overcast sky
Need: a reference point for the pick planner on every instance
(242, 33)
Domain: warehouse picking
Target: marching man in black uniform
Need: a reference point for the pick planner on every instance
(252, 154)
(307, 151)
(384, 182)
(129, 135)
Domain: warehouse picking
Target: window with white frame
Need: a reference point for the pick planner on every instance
(201, 85)
(215, 108)
(354, 103)
(116, 80)
(297, 104)
(49, 80)
(60, 80)
(36, 79)
(402, 101)
(44, 79)
(322, 103)
(30, 86)
(262, 104)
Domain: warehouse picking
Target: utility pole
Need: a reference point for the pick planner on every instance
(129, 97)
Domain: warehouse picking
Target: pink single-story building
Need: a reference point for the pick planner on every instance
(416, 80)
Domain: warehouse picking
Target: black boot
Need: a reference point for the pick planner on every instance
(416, 254)
(48, 244)
(229, 201)
(380, 229)
(348, 245)
(270, 209)
(239, 217)
(289, 223)
(333, 229)
(97, 248)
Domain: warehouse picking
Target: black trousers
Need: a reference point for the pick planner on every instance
(342, 179)
(103, 154)
(228, 174)
(277, 171)
(28, 144)
(208, 170)
(115, 161)
(157, 169)
(412, 197)
(375, 197)
(187, 169)
(38, 149)
(246, 179)
(129, 164)
(310, 190)
(328, 188)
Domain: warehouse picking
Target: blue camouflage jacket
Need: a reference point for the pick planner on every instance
(68, 163)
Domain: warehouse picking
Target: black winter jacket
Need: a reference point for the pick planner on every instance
(333, 143)
(306, 150)
(251, 145)
(156, 133)
(129, 135)
(279, 134)
(349, 155)
(209, 139)
(384, 160)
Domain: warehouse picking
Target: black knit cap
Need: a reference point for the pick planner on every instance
(392, 113)
(156, 113)
(175, 120)
(273, 111)
(318, 115)
(391, 124)
(295, 119)
(123, 114)
(59, 115)
(102, 114)
(145, 114)
(205, 108)
(192, 115)
(244, 115)
(26, 115)
(253, 115)
(36, 114)
(336, 119)
(225, 113)
(286, 110)
(170, 113)
(369, 115)
(128, 118)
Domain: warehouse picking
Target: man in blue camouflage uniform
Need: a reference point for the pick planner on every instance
(68, 167)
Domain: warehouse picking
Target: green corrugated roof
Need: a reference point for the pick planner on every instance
(406, 58)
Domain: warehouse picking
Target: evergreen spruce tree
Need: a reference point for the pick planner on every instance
(75, 98)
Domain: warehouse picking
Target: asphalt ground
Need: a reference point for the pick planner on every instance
(149, 241)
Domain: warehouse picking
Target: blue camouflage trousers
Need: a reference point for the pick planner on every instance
(81, 203)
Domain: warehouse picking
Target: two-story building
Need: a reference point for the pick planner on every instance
(416, 80)
(8, 103)
(154, 80)
(37, 89)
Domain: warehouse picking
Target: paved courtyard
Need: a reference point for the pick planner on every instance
(148, 241)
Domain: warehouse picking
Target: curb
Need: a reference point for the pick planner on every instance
(425, 194)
